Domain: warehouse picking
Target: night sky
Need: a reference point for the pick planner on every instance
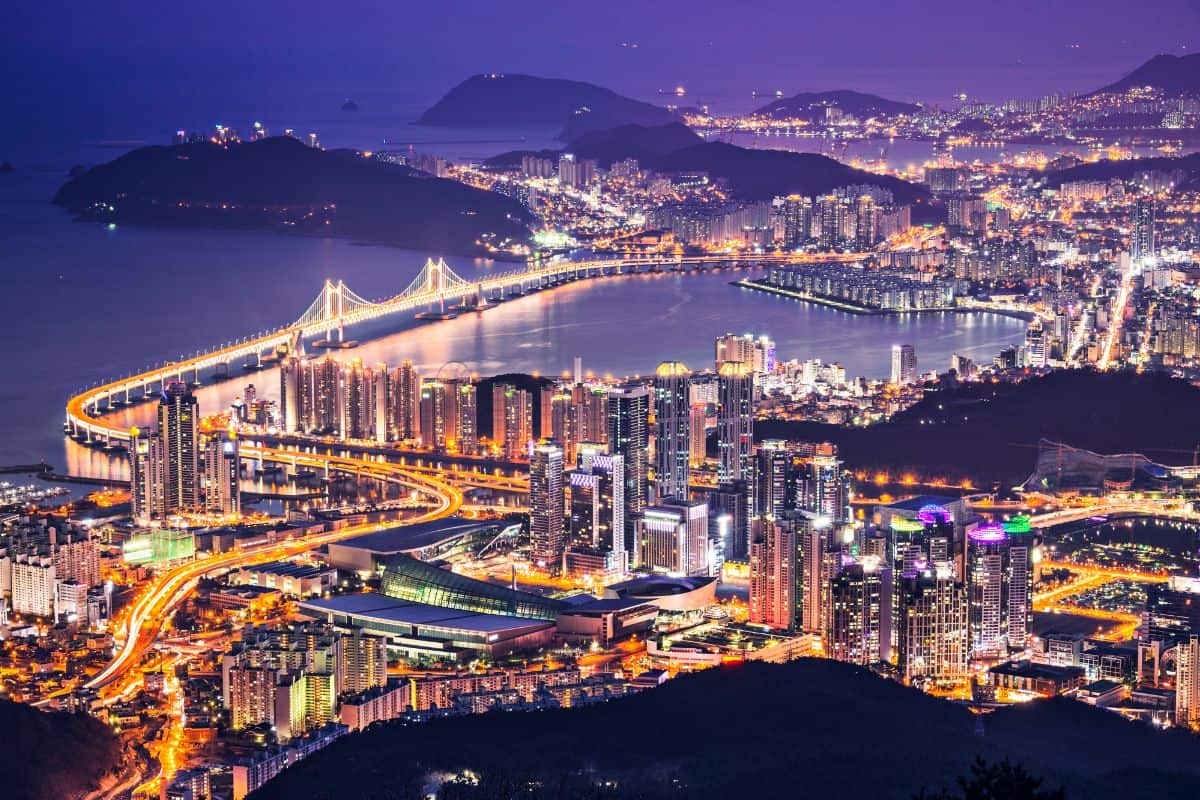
(73, 65)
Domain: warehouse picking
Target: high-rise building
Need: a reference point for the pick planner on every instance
(361, 662)
(512, 419)
(1144, 246)
(179, 430)
(932, 625)
(466, 407)
(546, 534)
(823, 487)
(1000, 590)
(628, 413)
(1187, 682)
(697, 434)
(771, 476)
(860, 613)
(729, 514)
(812, 535)
(598, 501)
(439, 414)
(33, 585)
(222, 485)
(673, 538)
(146, 479)
(904, 364)
(672, 424)
(407, 400)
(735, 422)
(773, 573)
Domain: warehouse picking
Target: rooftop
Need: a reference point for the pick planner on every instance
(404, 538)
(380, 608)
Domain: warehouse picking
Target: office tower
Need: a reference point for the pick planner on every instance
(860, 613)
(628, 412)
(466, 407)
(697, 434)
(146, 478)
(771, 473)
(931, 618)
(222, 485)
(512, 420)
(904, 364)
(735, 422)
(439, 415)
(598, 502)
(673, 538)
(1187, 682)
(823, 487)
(361, 661)
(546, 538)
(672, 422)
(407, 401)
(985, 584)
(729, 512)
(773, 574)
(1143, 246)
(179, 429)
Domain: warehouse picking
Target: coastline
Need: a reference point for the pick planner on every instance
(855, 308)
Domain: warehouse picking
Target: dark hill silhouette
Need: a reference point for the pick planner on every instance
(645, 143)
(1127, 169)
(527, 101)
(812, 105)
(1175, 75)
(279, 183)
(990, 432)
(754, 730)
(53, 756)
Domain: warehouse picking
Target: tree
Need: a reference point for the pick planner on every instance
(1002, 781)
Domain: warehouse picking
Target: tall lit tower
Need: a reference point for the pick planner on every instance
(735, 421)
(547, 540)
(672, 422)
(904, 364)
(773, 583)
(985, 585)
(1144, 246)
(179, 430)
(628, 436)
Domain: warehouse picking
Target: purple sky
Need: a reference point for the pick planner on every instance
(70, 58)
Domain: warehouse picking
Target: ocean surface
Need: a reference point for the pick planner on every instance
(84, 303)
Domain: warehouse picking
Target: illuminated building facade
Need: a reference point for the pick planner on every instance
(672, 425)
(547, 541)
(773, 574)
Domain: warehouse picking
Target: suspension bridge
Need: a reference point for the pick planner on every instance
(436, 289)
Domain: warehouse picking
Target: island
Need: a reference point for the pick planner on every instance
(751, 174)
(1185, 171)
(1172, 75)
(281, 184)
(495, 100)
(813, 105)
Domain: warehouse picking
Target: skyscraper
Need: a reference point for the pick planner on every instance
(823, 487)
(697, 434)
(904, 364)
(546, 536)
(1143, 247)
(672, 423)
(407, 399)
(222, 485)
(771, 473)
(773, 574)
(860, 613)
(932, 625)
(179, 430)
(146, 478)
(1187, 682)
(512, 419)
(439, 414)
(735, 422)
(466, 407)
(628, 436)
(985, 584)
(597, 518)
